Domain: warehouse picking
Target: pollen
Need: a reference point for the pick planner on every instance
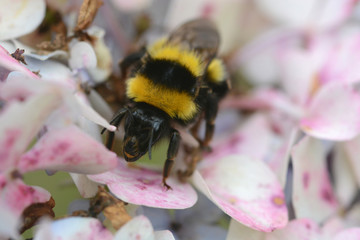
(176, 104)
(278, 201)
(216, 71)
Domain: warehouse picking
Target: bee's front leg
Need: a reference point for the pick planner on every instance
(171, 154)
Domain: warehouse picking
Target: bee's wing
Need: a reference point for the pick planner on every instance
(199, 35)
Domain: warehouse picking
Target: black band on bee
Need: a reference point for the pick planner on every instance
(169, 73)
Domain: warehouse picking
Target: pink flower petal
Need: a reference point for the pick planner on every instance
(313, 196)
(68, 149)
(72, 228)
(132, 184)
(20, 122)
(139, 228)
(11, 64)
(333, 114)
(246, 189)
(252, 139)
(20, 17)
(15, 196)
(340, 63)
(348, 234)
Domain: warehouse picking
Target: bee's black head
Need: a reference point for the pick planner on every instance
(143, 128)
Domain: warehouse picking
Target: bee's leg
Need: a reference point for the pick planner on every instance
(171, 154)
(195, 158)
(210, 116)
(130, 60)
(195, 129)
(115, 122)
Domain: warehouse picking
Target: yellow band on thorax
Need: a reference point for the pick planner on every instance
(162, 50)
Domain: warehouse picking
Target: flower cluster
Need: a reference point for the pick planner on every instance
(284, 160)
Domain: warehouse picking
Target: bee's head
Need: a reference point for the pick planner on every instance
(142, 130)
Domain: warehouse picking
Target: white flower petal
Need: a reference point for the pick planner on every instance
(72, 228)
(52, 71)
(164, 235)
(92, 115)
(82, 55)
(345, 172)
(352, 151)
(58, 54)
(307, 13)
(313, 196)
(86, 187)
(238, 231)
(20, 17)
(131, 6)
(348, 234)
(139, 228)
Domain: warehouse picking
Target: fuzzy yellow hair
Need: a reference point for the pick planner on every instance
(174, 103)
(216, 71)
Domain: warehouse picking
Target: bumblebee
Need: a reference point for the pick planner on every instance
(178, 80)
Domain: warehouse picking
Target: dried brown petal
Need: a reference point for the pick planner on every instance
(35, 211)
(117, 215)
(112, 208)
(59, 43)
(80, 213)
(18, 55)
(87, 13)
